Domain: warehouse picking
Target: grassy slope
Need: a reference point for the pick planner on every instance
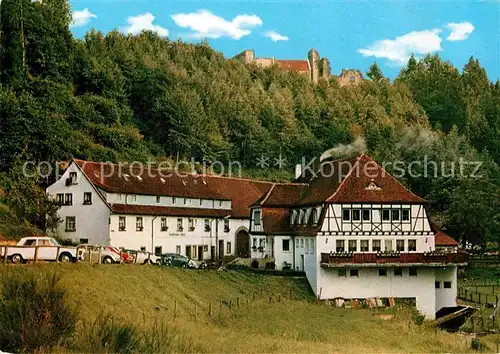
(141, 294)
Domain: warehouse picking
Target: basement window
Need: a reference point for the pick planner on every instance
(398, 272)
(382, 272)
(354, 272)
(342, 273)
(447, 284)
(437, 284)
(413, 272)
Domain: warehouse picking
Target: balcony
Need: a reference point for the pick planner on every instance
(431, 259)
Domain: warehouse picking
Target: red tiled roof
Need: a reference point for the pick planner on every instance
(275, 219)
(283, 194)
(167, 211)
(123, 179)
(442, 239)
(297, 65)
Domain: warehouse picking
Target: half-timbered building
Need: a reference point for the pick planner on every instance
(357, 233)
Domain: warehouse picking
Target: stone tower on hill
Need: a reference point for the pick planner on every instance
(315, 67)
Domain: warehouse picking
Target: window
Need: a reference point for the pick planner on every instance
(119, 197)
(178, 249)
(254, 242)
(346, 215)
(354, 272)
(437, 284)
(398, 272)
(364, 245)
(158, 250)
(356, 215)
(314, 215)
(413, 272)
(60, 198)
(143, 249)
(412, 245)
(68, 199)
(340, 245)
(447, 284)
(70, 223)
(121, 223)
(84, 240)
(173, 200)
(395, 214)
(342, 273)
(226, 225)
(207, 225)
(353, 246)
(185, 201)
(376, 246)
(133, 198)
(256, 217)
(306, 216)
(388, 245)
(301, 243)
(228, 248)
(366, 215)
(311, 243)
(294, 217)
(30, 243)
(382, 272)
(194, 253)
(73, 177)
(138, 224)
(405, 214)
(191, 224)
(297, 242)
(400, 245)
(163, 224)
(286, 245)
(179, 224)
(386, 215)
(87, 198)
(158, 199)
(307, 245)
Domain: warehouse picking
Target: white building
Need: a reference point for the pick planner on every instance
(357, 233)
(200, 216)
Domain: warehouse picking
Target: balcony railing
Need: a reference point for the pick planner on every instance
(375, 259)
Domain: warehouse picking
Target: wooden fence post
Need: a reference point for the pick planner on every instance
(36, 255)
(210, 309)
(238, 302)
(99, 255)
(175, 309)
(57, 254)
(5, 254)
(195, 310)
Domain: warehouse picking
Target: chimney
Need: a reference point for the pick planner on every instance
(298, 170)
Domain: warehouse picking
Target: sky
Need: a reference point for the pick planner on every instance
(350, 33)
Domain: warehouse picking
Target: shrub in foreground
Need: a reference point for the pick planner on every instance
(34, 312)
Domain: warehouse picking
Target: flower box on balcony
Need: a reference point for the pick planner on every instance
(393, 254)
(341, 254)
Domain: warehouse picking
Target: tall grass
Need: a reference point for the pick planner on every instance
(34, 312)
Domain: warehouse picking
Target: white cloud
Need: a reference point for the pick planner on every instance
(399, 50)
(205, 24)
(275, 36)
(144, 22)
(82, 17)
(459, 31)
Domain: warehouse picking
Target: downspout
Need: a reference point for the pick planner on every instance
(293, 245)
(152, 232)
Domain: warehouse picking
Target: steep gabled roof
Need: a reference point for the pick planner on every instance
(282, 194)
(134, 179)
(442, 239)
(296, 65)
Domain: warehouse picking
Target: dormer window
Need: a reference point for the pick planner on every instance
(315, 216)
(133, 198)
(256, 217)
(73, 176)
(346, 215)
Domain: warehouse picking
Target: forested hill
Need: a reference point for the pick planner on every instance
(115, 97)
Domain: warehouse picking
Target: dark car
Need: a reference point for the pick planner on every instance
(178, 260)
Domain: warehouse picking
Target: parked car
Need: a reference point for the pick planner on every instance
(178, 260)
(48, 247)
(141, 257)
(109, 254)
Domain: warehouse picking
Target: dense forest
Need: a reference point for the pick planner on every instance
(116, 97)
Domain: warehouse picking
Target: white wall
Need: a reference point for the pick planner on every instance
(140, 199)
(446, 297)
(91, 220)
(259, 241)
(280, 256)
(369, 285)
(170, 239)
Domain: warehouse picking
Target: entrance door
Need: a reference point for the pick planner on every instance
(212, 253)
(221, 249)
(302, 262)
(188, 251)
(200, 253)
(243, 244)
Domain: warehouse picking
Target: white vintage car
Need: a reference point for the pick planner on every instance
(91, 253)
(48, 250)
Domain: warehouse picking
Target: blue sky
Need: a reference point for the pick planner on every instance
(351, 34)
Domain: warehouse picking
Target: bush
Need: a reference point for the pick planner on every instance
(255, 264)
(34, 312)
